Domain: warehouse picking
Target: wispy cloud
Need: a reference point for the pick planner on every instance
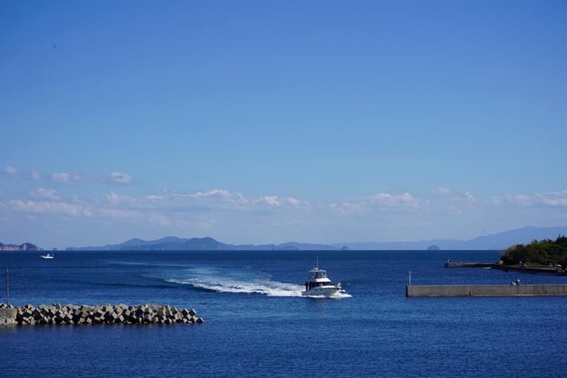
(453, 196)
(121, 178)
(11, 170)
(547, 199)
(222, 198)
(22, 174)
(68, 178)
(403, 202)
(220, 212)
(160, 205)
(47, 208)
(447, 201)
(115, 205)
(45, 193)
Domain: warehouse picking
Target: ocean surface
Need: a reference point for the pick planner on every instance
(257, 324)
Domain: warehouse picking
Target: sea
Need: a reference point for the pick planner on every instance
(257, 324)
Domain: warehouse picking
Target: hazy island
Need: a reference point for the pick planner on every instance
(21, 247)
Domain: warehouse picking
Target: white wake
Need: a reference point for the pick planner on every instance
(334, 296)
(236, 281)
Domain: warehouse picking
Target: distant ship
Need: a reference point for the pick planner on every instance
(47, 256)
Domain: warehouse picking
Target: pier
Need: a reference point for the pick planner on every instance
(461, 264)
(420, 291)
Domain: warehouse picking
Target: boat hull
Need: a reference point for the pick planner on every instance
(322, 291)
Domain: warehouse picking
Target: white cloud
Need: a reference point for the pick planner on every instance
(220, 212)
(65, 178)
(116, 199)
(47, 207)
(45, 194)
(270, 200)
(379, 202)
(558, 199)
(121, 178)
(443, 192)
(10, 170)
(112, 198)
(220, 195)
(548, 199)
(393, 200)
(212, 201)
(294, 201)
(13, 171)
(276, 201)
(221, 199)
(119, 213)
(154, 198)
(457, 201)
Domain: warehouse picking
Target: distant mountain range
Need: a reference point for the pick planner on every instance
(173, 243)
(498, 241)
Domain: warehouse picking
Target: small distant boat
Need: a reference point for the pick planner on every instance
(319, 284)
(47, 256)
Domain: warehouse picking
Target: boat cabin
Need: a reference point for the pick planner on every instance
(317, 278)
(318, 275)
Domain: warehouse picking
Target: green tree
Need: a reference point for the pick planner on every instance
(542, 252)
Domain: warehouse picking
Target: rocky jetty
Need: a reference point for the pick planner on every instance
(58, 314)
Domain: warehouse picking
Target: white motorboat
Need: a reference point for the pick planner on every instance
(47, 256)
(319, 284)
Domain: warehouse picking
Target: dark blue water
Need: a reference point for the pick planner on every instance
(258, 325)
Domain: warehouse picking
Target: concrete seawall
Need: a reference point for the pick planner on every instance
(485, 290)
(58, 314)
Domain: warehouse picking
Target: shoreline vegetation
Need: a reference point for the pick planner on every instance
(538, 257)
(544, 255)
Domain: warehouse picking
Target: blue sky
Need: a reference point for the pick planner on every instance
(274, 121)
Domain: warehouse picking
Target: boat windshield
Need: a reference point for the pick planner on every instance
(319, 274)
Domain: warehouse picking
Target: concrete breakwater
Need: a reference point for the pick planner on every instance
(485, 290)
(555, 271)
(58, 314)
(461, 264)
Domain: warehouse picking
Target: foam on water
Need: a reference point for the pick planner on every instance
(243, 281)
(334, 296)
